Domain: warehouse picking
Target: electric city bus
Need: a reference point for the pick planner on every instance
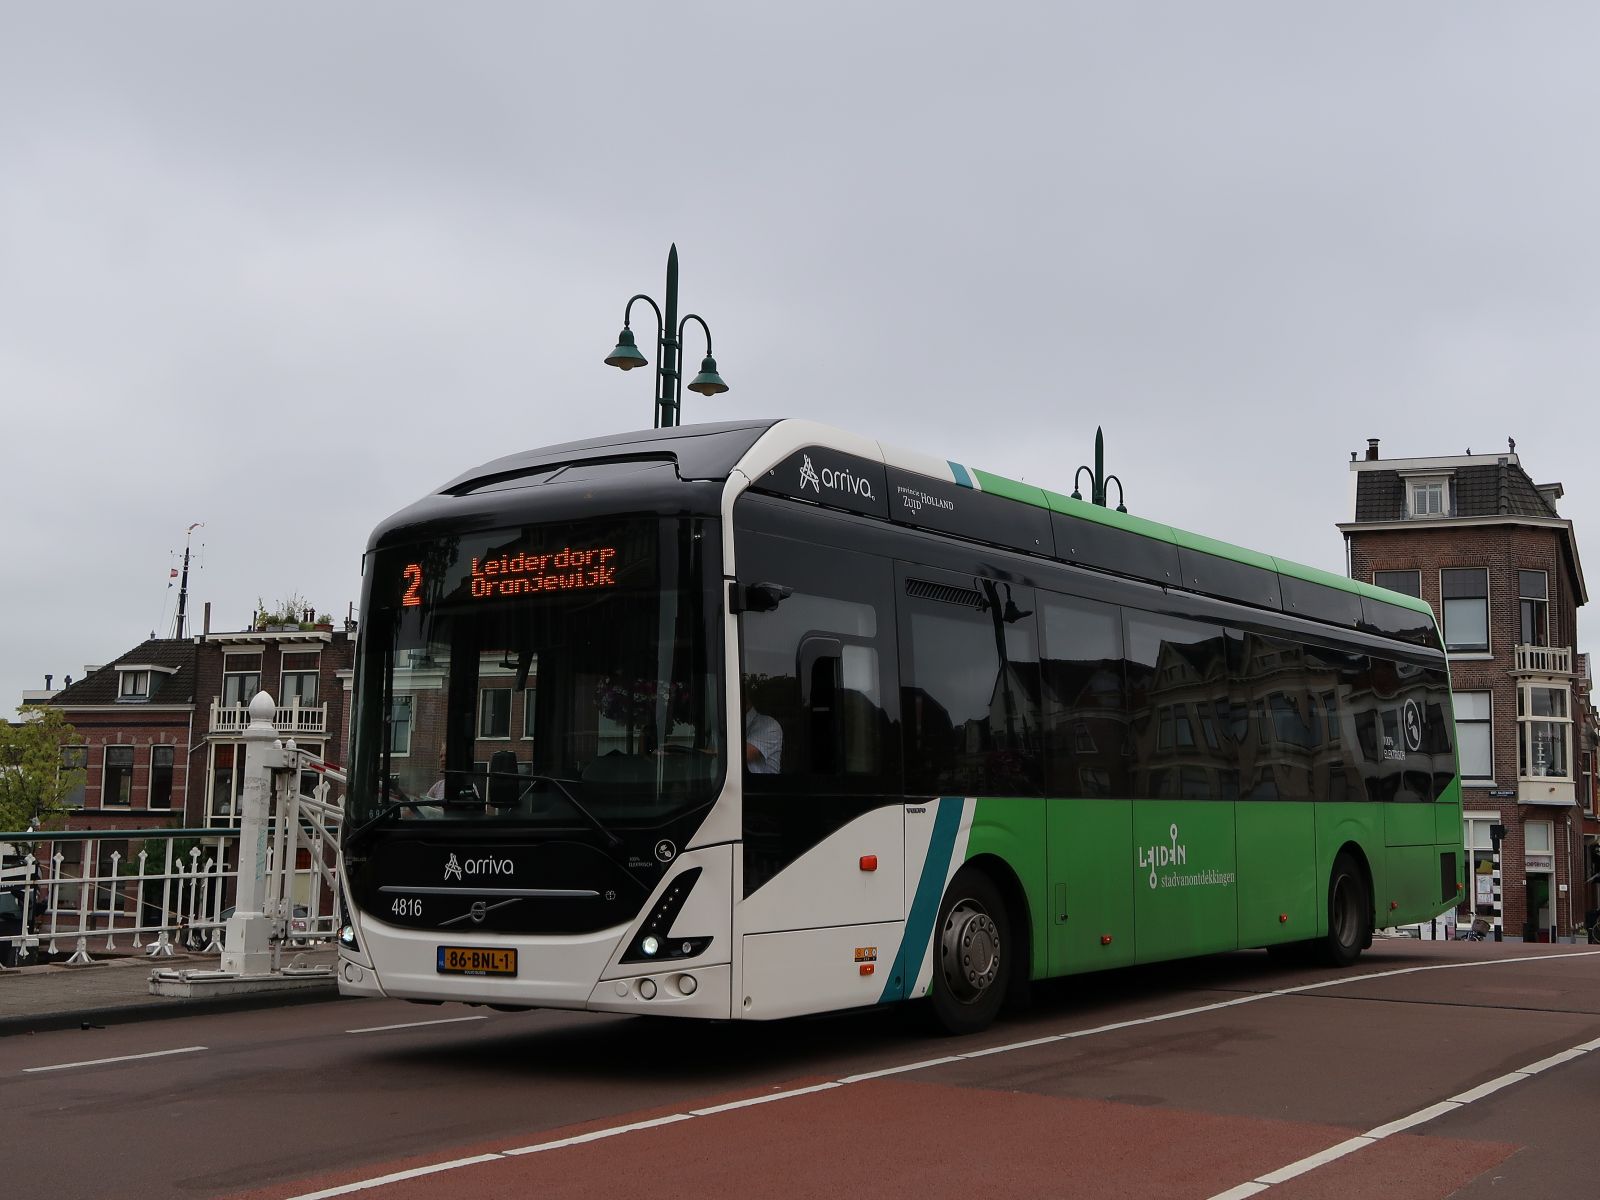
(756, 719)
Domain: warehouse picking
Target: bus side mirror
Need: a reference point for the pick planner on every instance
(505, 786)
(757, 597)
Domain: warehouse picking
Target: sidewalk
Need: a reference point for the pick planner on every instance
(117, 989)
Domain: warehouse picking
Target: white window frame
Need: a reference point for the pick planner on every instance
(1526, 721)
(409, 702)
(1487, 721)
(482, 697)
(105, 773)
(1544, 601)
(1485, 651)
(1419, 486)
(1417, 571)
(133, 685)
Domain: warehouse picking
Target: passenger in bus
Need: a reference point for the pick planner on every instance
(763, 742)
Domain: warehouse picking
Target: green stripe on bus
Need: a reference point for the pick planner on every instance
(925, 905)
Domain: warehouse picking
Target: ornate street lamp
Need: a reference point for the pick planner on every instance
(1098, 477)
(669, 351)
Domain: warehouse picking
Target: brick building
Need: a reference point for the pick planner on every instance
(1486, 547)
(162, 726)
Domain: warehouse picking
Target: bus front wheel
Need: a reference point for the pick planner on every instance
(1349, 914)
(972, 942)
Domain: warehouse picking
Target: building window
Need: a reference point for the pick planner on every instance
(1409, 582)
(528, 713)
(75, 758)
(161, 776)
(1428, 497)
(400, 726)
(134, 685)
(227, 779)
(1533, 592)
(1475, 734)
(300, 677)
(1544, 747)
(241, 678)
(1480, 863)
(118, 790)
(494, 713)
(1466, 608)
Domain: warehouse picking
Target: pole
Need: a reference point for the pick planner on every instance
(246, 949)
(669, 353)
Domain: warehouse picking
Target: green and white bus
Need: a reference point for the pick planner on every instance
(756, 719)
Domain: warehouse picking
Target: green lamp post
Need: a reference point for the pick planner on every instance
(669, 351)
(1098, 477)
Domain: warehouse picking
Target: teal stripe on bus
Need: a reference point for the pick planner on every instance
(925, 904)
(960, 473)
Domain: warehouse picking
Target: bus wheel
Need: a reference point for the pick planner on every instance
(1349, 914)
(970, 968)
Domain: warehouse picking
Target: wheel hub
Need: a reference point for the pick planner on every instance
(969, 951)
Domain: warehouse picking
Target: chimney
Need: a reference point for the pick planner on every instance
(47, 680)
(1372, 449)
(205, 621)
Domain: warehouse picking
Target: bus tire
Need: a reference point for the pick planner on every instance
(971, 948)
(1349, 914)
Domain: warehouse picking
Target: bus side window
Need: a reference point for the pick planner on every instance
(813, 665)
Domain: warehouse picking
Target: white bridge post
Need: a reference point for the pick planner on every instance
(246, 948)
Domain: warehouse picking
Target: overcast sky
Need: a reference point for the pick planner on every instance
(284, 268)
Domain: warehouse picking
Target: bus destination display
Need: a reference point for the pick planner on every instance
(571, 568)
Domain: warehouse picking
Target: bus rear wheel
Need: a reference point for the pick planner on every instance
(971, 963)
(1349, 914)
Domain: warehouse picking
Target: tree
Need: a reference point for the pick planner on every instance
(33, 781)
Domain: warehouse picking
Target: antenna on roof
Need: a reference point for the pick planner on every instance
(183, 587)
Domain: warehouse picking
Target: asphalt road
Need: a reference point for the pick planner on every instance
(1428, 1070)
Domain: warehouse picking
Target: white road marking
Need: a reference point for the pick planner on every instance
(1410, 1121)
(1242, 1192)
(96, 1062)
(419, 1024)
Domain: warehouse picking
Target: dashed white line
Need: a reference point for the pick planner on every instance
(419, 1024)
(1241, 1192)
(98, 1062)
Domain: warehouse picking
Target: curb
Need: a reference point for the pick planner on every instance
(155, 1010)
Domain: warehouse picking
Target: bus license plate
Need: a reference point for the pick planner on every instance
(468, 960)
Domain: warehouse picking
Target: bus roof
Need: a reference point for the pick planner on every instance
(759, 449)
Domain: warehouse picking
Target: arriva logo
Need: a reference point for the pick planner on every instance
(808, 474)
(456, 869)
(1154, 857)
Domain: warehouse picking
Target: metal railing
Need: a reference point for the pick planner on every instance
(293, 718)
(61, 889)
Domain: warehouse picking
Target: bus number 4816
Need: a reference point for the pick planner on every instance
(407, 906)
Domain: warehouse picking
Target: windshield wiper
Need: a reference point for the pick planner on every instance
(389, 807)
(578, 806)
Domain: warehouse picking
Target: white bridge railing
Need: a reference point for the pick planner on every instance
(88, 888)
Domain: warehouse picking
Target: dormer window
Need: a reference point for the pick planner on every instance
(1427, 496)
(134, 685)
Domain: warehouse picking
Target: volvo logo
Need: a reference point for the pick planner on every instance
(479, 910)
(666, 851)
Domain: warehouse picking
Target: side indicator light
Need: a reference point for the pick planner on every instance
(1105, 939)
(1393, 904)
(869, 862)
(868, 968)
(1283, 918)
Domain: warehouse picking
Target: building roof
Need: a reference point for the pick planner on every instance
(101, 686)
(1491, 489)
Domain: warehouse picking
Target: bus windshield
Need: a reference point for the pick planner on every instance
(543, 676)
